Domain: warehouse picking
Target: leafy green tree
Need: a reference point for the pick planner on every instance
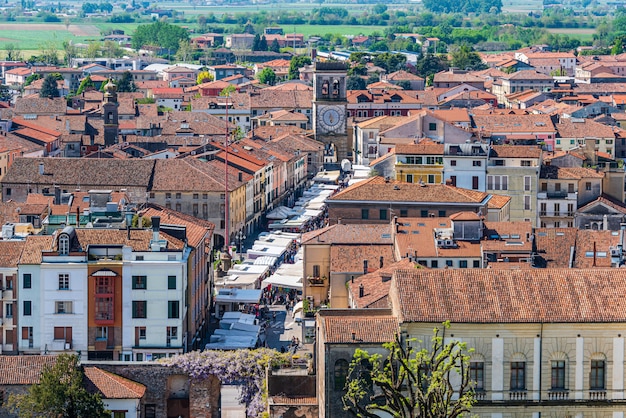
(263, 44)
(49, 87)
(13, 51)
(390, 62)
(275, 47)
(296, 63)
(430, 64)
(465, 58)
(126, 83)
(31, 78)
(355, 82)
(93, 49)
(267, 76)
(161, 34)
(414, 380)
(49, 53)
(204, 77)
(69, 52)
(112, 49)
(60, 393)
(255, 42)
(226, 91)
(185, 50)
(85, 84)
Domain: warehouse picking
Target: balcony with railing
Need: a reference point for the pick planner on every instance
(557, 194)
(316, 281)
(558, 395)
(597, 395)
(518, 395)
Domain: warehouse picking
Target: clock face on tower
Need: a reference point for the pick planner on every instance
(331, 118)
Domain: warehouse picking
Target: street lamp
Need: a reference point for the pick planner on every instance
(240, 237)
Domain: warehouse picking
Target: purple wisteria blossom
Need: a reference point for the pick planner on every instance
(246, 368)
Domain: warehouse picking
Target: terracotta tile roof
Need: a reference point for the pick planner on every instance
(34, 245)
(514, 123)
(589, 241)
(549, 156)
(36, 135)
(464, 216)
(185, 174)
(349, 234)
(403, 75)
(10, 252)
(40, 105)
(139, 238)
(377, 189)
(554, 246)
(453, 77)
(42, 126)
(510, 296)
(583, 128)
(349, 258)
(576, 173)
(510, 235)
(81, 171)
(376, 285)
(528, 75)
(23, 370)
(453, 115)
(111, 386)
(606, 200)
(416, 237)
(197, 229)
(498, 201)
(351, 326)
(420, 149)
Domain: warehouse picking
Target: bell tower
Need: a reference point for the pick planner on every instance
(330, 110)
(110, 114)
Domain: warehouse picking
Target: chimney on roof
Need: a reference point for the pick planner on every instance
(41, 169)
(57, 195)
(240, 176)
(381, 262)
(338, 221)
(364, 266)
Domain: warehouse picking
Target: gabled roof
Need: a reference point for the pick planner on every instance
(583, 128)
(515, 151)
(376, 285)
(377, 189)
(510, 296)
(111, 386)
(552, 172)
(604, 200)
(352, 326)
(81, 171)
(197, 229)
(23, 370)
(428, 148)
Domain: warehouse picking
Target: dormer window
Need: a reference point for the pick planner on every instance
(64, 244)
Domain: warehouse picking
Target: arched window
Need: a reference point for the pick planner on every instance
(341, 372)
(325, 88)
(335, 88)
(64, 244)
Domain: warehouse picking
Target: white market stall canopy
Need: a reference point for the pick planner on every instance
(290, 282)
